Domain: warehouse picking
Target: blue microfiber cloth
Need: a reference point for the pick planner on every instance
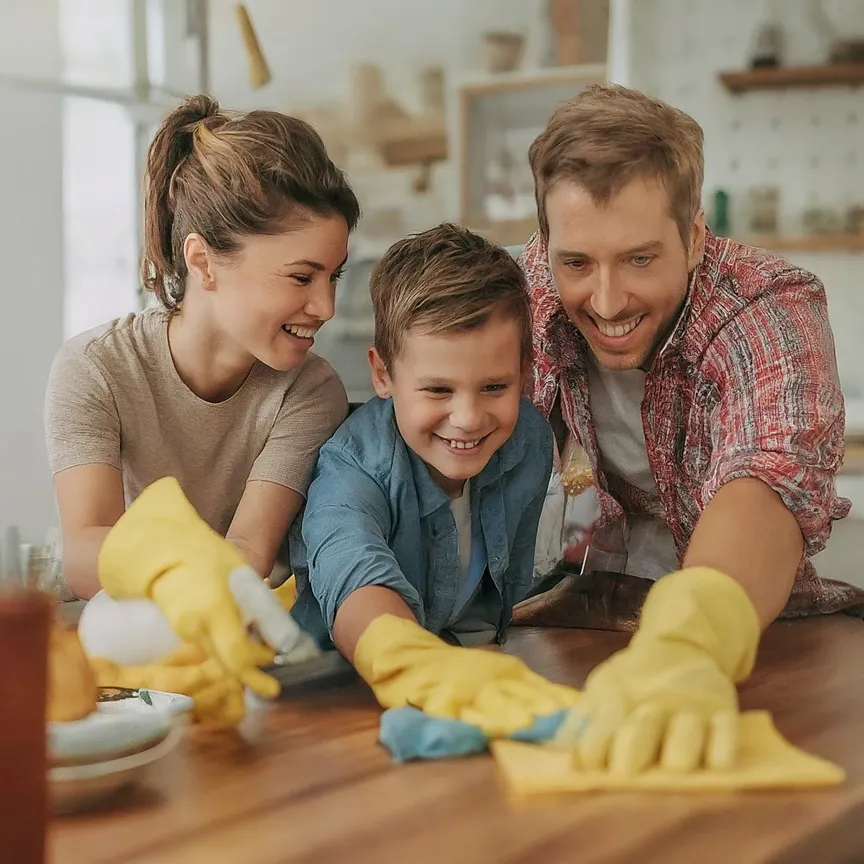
(410, 734)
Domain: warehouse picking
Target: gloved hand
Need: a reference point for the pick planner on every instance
(218, 696)
(160, 548)
(670, 696)
(406, 665)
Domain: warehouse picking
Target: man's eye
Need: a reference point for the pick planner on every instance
(642, 260)
(575, 265)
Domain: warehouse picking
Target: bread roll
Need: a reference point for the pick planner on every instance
(72, 691)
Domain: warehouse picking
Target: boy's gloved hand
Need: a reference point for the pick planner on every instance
(161, 548)
(670, 696)
(217, 695)
(406, 665)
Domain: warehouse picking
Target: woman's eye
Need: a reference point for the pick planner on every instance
(300, 279)
(337, 275)
(576, 265)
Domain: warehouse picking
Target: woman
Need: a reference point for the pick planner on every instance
(246, 234)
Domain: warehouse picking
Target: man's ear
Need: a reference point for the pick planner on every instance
(197, 255)
(380, 376)
(697, 242)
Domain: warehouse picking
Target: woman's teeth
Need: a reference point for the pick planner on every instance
(301, 332)
(618, 330)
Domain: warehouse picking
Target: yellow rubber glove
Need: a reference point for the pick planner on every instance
(406, 665)
(218, 696)
(161, 549)
(670, 696)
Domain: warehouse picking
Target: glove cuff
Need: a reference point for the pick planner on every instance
(374, 655)
(129, 559)
(708, 609)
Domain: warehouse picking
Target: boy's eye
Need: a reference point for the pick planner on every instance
(436, 391)
(495, 388)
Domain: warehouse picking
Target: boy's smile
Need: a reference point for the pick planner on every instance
(455, 396)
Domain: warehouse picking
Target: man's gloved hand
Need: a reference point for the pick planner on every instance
(406, 665)
(670, 696)
(218, 696)
(160, 548)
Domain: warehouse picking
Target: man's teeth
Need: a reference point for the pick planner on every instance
(463, 445)
(302, 332)
(618, 329)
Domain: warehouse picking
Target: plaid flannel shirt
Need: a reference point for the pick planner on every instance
(746, 386)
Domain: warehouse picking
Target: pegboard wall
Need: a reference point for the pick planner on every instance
(808, 143)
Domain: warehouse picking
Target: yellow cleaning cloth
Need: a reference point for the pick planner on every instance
(766, 760)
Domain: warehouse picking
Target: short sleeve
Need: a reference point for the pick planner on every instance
(82, 425)
(312, 410)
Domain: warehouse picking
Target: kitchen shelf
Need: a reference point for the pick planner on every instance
(794, 77)
(808, 242)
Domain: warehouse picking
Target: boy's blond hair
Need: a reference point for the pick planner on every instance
(609, 135)
(445, 280)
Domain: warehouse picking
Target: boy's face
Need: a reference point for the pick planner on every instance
(455, 395)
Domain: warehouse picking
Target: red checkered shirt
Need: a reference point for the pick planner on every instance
(746, 386)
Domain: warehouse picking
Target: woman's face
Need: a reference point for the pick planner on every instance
(270, 298)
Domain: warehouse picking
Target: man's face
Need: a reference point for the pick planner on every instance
(620, 267)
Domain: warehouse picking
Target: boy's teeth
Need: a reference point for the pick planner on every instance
(618, 329)
(464, 445)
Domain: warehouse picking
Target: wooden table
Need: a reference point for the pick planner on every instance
(304, 781)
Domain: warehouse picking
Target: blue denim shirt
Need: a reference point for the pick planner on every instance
(374, 516)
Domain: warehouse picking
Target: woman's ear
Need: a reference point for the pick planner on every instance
(380, 376)
(196, 252)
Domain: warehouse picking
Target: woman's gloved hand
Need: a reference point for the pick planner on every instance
(161, 549)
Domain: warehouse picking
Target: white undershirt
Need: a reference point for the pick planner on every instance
(461, 509)
(616, 408)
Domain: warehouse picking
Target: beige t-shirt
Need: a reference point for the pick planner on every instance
(115, 398)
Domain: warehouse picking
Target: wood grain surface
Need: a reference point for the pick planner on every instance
(305, 781)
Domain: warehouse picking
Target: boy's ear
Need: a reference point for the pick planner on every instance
(380, 375)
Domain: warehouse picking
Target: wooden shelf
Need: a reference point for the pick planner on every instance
(788, 77)
(808, 243)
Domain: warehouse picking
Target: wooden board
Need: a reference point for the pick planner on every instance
(785, 78)
(306, 782)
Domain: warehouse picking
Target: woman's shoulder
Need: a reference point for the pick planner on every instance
(114, 343)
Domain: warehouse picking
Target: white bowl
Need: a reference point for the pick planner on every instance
(81, 787)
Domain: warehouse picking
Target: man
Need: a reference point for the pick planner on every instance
(700, 378)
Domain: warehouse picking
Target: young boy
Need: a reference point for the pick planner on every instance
(425, 503)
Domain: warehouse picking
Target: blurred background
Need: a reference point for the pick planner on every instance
(430, 108)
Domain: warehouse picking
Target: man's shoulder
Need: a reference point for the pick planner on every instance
(739, 287)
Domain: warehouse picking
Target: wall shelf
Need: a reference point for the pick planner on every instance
(797, 77)
(808, 242)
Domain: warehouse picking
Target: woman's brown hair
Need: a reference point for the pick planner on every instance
(229, 177)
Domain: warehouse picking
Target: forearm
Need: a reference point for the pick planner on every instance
(359, 609)
(259, 560)
(81, 560)
(747, 533)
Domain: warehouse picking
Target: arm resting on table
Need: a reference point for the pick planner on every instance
(747, 533)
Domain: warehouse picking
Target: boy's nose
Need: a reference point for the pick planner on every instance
(466, 416)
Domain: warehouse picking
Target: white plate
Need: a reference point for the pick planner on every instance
(82, 787)
(117, 728)
(172, 704)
